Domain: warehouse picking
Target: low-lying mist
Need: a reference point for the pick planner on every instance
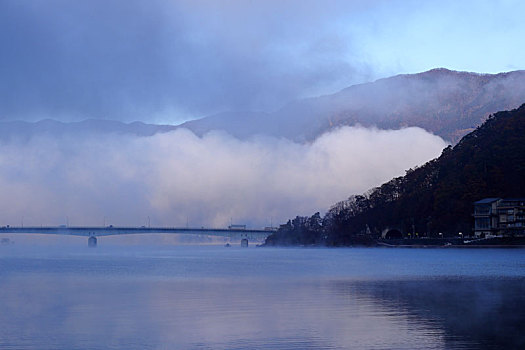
(179, 179)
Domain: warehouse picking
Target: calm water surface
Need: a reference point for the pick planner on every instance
(212, 297)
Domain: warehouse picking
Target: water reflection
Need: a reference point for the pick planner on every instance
(76, 313)
(473, 313)
(213, 298)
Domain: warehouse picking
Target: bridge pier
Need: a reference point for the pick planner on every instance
(244, 242)
(92, 242)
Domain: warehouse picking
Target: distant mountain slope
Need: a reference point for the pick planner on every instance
(437, 197)
(447, 103)
(240, 124)
(21, 130)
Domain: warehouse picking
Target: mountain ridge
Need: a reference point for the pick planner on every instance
(24, 130)
(442, 101)
(445, 102)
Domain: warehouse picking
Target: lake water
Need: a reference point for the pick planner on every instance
(212, 297)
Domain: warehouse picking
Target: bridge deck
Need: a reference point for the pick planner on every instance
(114, 230)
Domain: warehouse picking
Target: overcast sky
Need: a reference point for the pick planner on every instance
(169, 61)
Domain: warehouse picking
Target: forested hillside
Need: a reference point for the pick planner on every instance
(436, 197)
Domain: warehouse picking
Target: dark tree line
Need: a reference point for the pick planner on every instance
(434, 198)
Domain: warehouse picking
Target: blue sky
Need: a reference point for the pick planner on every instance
(169, 61)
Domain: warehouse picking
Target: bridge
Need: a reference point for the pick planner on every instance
(98, 231)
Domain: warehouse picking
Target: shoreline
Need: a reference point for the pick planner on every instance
(473, 246)
(455, 242)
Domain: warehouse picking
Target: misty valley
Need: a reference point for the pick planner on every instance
(262, 175)
(148, 256)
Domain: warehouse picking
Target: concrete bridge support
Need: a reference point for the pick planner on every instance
(92, 242)
(244, 242)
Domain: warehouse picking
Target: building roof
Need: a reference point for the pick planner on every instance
(487, 201)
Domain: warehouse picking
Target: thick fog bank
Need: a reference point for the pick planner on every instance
(178, 178)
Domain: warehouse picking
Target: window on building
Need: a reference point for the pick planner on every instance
(482, 223)
(482, 210)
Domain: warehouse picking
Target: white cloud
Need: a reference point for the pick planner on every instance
(178, 176)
